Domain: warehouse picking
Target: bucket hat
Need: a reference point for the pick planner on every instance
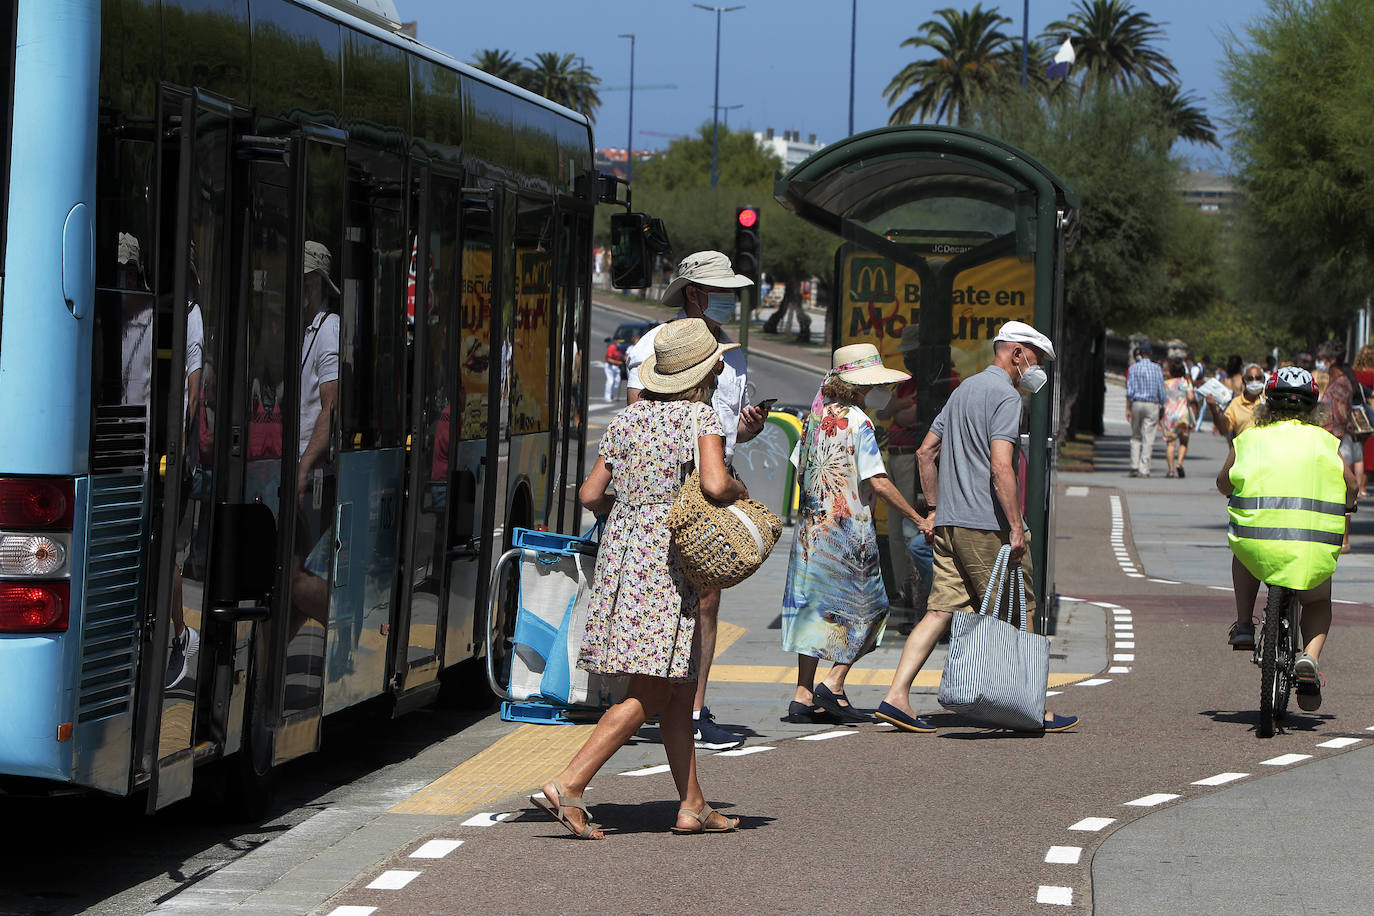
(317, 258)
(685, 352)
(706, 268)
(1022, 333)
(861, 364)
(911, 338)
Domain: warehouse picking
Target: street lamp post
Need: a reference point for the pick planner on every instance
(727, 109)
(853, 30)
(630, 140)
(715, 100)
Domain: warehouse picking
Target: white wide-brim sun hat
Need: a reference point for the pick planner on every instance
(865, 366)
(705, 268)
(685, 352)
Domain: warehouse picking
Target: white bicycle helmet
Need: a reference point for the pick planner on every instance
(1291, 383)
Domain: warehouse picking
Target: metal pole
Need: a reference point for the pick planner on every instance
(715, 100)
(630, 140)
(853, 30)
(715, 103)
(1025, 40)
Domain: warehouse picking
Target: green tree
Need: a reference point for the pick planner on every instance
(1301, 92)
(500, 64)
(676, 185)
(1183, 116)
(974, 60)
(1114, 44)
(565, 79)
(1109, 146)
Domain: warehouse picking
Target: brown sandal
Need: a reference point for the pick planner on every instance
(702, 817)
(556, 812)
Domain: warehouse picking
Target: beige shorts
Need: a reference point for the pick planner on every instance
(963, 565)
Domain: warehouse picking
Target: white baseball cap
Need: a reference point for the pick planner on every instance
(705, 268)
(1022, 333)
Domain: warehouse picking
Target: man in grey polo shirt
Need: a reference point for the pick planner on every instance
(977, 509)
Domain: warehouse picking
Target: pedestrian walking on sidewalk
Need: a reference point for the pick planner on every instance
(834, 605)
(1178, 416)
(613, 365)
(704, 287)
(977, 506)
(1145, 398)
(1240, 413)
(641, 621)
(1339, 397)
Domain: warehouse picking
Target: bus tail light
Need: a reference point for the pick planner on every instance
(33, 607)
(36, 502)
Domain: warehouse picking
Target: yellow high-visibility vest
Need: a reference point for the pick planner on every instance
(1288, 509)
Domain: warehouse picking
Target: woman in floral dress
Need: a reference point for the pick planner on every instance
(834, 605)
(641, 621)
(1179, 415)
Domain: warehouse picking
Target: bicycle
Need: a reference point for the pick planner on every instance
(1278, 641)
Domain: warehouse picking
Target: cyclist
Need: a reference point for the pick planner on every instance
(1289, 493)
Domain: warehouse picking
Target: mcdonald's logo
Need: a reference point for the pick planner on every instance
(872, 280)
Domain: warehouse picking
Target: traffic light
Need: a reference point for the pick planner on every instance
(748, 251)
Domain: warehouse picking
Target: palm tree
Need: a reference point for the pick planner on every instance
(565, 79)
(500, 64)
(1113, 44)
(1182, 114)
(974, 60)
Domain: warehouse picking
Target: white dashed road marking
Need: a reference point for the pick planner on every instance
(1056, 896)
(486, 819)
(1095, 682)
(1284, 760)
(1064, 855)
(648, 771)
(1220, 779)
(745, 751)
(825, 736)
(1149, 801)
(353, 911)
(1340, 742)
(393, 880)
(1092, 824)
(436, 849)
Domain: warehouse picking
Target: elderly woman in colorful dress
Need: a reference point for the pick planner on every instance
(834, 605)
(641, 621)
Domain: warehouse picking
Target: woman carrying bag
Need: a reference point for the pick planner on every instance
(834, 605)
(641, 621)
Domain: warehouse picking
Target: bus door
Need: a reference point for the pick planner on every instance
(171, 353)
(477, 477)
(432, 417)
(291, 441)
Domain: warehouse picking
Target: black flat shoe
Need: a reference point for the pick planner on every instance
(830, 702)
(801, 714)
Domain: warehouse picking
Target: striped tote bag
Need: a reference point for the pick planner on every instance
(997, 674)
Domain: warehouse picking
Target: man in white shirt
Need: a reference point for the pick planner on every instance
(704, 287)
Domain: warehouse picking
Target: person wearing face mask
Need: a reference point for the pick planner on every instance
(1145, 400)
(977, 507)
(1240, 413)
(704, 286)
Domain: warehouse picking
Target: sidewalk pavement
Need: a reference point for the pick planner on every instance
(1298, 841)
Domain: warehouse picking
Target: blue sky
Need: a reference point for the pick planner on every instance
(785, 61)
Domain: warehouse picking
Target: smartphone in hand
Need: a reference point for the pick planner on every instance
(766, 405)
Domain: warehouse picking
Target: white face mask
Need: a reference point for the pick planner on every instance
(877, 398)
(720, 307)
(1033, 379)
(1254, 387)
(1322, 365)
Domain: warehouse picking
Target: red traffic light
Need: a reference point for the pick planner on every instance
(747, 217)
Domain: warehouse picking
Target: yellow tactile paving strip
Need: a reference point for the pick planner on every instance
(525, 759)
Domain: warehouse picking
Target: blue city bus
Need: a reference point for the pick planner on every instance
(293, 327)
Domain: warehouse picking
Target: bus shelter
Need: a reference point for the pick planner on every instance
(951, 233)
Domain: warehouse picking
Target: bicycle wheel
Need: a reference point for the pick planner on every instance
(1271, 651)
(1287, 655)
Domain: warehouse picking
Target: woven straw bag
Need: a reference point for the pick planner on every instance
(719, 545)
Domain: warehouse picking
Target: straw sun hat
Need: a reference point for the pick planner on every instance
(685, 352)
(861, 364)
(705, 268)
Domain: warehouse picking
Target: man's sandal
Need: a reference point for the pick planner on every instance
(701, 818)
(556, 812)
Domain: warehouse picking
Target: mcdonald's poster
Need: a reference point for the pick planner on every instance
(529, 391)
(475, 356)
(879, 298)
